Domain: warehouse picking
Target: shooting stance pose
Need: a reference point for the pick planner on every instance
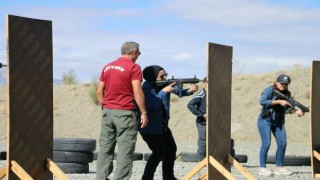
(272, 119)
(157, 134)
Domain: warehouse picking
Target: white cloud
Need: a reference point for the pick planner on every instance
(183, 56)
(174, 34)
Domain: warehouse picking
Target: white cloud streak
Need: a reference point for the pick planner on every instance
(174, 34)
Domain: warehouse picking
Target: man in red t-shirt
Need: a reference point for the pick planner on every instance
(119, 91)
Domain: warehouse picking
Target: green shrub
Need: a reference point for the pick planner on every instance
(69, 78)
(93, 91)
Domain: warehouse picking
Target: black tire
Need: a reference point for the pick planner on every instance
(233, 152)
(189, 157)
(136, 156)
(146, 156)
(291, 160)
(232, 143)
(74, 144)
(72, 157)
(3, 155)
(241, 158)
(95, 155)
(193, 157)
(74, 168)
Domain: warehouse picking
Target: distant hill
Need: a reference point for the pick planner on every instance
(57, 81)
(75, 114)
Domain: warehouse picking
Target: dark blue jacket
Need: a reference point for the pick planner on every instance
(277, 112)
(158, 108)
(198, 106)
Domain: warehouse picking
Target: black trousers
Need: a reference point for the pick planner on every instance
(163, 149)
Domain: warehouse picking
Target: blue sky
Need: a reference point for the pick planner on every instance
(266, 35)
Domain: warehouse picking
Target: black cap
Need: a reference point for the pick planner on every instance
(284, 79)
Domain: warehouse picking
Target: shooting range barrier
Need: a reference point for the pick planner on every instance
(30, 101)
(30, 107)
(218, 161)
(315, 119)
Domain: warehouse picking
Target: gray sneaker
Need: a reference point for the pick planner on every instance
(282, 171)
(265, 172)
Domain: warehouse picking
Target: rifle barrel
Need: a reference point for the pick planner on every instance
(292, 101)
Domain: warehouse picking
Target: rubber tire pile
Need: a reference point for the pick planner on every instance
(73, 155)
(193, 157)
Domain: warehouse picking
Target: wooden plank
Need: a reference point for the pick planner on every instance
(19, 171)
(219, 66)
(315, 115)
(3, 172)
(30, 95)
(203, 177)
(316, 155)
(196, 169)
(56, 170)
(240, 168)
(226, 173)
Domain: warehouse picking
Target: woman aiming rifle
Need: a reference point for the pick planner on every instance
(272, 119)
(157, 134)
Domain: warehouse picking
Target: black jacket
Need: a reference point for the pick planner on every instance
(198, 105)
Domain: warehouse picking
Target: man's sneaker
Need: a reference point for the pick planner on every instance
(265, 172)
(282, 171)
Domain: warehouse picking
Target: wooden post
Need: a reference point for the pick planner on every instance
(19, 171)
(240, 168)
(196, 169)
(3, 172)
(30, 99)
(56, 170)
(219, 76)
(315, 117)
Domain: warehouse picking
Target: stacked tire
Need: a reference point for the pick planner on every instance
(193, 157)
(136, 156)
(73, 155)
(241, 158)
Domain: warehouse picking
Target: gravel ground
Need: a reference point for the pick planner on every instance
(181, 168)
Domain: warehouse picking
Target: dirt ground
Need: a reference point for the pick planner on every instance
(75, 114)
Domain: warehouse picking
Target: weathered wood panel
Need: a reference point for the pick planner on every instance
(219, 106)
(315, 114)
(30, 95)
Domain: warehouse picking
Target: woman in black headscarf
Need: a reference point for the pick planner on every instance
(157, 134)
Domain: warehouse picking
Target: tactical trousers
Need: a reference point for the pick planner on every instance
(164, 148)
(117, 126)
(201, 151)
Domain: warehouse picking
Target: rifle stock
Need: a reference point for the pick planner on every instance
(291, 101)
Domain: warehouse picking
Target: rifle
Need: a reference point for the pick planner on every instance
(179, 83)
(291, 101)
(2, 65)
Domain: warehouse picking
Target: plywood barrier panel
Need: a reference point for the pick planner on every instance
(315, 114)
(30, 95)
(219, 106)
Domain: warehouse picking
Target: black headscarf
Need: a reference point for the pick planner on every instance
(150, 73)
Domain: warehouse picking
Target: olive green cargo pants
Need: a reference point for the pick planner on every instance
(117, 127)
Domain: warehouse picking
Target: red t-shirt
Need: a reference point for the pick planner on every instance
(118, 76)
